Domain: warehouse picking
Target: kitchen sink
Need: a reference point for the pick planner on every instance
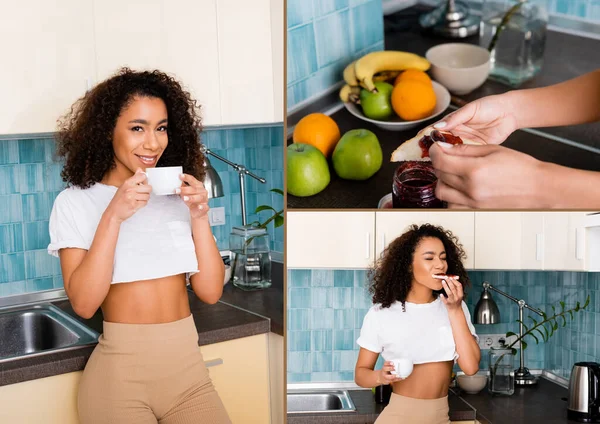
(40, 329)
(318, 401)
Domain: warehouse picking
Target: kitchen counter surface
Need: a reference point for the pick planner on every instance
(267, 303)
(238, 314)
(545, 403)
(577, 57)
(367, 411)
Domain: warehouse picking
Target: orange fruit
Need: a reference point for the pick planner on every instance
(413, 99)
(414, 74)
(319, 130)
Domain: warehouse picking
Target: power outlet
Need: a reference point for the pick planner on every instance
(487, 341)
(216, 216)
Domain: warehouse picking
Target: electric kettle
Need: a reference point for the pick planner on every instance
(584, 393)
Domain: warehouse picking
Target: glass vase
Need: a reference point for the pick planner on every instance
(250, 257)
(517, 29)
(502, 371)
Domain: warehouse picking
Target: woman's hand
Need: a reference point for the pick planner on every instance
(487, 177)
(385, 375)
(489, 120)
(194, 195)
(455, 293)
(130, 197)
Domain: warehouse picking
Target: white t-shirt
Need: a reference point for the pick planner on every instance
(422, 333)
(154, 242)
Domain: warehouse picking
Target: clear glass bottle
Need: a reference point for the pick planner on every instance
(502, 371)
(519, 46)
(250, 257)
(414, 186)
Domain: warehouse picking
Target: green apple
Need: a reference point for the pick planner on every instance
(357, 155)
(307, 170)
(377, 105)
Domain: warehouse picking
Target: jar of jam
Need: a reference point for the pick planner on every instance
(414, 186)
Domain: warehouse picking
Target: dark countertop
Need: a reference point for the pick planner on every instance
(367, 411)
(577, 56)
(545, 403)
(267, 303)
(223, 321)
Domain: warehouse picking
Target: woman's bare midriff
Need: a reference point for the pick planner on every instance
(427, 381)
(147, 302)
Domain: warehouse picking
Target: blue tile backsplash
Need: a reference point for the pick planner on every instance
(323, 37)
(326, 309)
(588, 10)
(30, 181)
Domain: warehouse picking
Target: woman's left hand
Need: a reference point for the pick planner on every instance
(194, 195)
(455, 294)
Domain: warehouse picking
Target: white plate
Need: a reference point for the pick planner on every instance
(442, 97)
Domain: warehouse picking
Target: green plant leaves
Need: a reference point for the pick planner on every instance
(276, 190)
(264, 208)
(278, 221)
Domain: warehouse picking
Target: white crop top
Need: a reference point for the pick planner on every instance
(154, 242)
(422, 333)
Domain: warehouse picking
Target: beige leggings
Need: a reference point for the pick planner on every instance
(405, 410)
(148, 373)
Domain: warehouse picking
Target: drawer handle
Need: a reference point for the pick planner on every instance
(539, 248)
(213, 362)
(579, 244)
(368, 245)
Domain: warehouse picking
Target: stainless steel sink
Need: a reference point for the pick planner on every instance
(41, 329)
(318, 401)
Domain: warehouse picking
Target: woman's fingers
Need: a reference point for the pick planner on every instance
(196, 198)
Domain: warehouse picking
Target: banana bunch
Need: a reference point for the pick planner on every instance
(377, 66)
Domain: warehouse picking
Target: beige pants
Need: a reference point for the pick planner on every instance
(405, 410)
(148, 373)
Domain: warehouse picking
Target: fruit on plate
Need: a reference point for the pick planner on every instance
(319, 130)
(417, 148)
(388, 60)
(413, 74)
(413, 99)
(307, 170)
(377, 105)
(350, 75)
(350, 93)
(357, 156)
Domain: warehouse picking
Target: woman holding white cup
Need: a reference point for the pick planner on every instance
(419, 324)
(131, 251)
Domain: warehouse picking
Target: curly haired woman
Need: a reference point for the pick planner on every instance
(419, 317)
(131, 253)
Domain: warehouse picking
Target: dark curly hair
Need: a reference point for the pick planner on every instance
(85, 133)
(390, 278)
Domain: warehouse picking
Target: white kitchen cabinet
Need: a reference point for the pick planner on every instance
(390, 225)
(50, 400)
(498, 240)
(47, 61)
(246, 61)
(179, 37)
(532, 240)
(276, 377)
(342, 240)
(242, 379)
(565, 241)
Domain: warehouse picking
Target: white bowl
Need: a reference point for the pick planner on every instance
(442, 98)
(472, 384)
(460, 67)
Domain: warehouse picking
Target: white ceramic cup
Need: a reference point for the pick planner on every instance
(164, 180)
(403, 367)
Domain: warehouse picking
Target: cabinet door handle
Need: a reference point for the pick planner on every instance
(539, 247)
(368, 245)
(579, 247)
(213, 362)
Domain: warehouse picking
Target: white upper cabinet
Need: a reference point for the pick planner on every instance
(390, 225)
(576, 258)
(47, 61)
(179, 37)
(497, 240)
(533, 246)
(342, 240)
(246, 61)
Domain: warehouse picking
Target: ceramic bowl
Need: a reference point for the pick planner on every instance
(460, 67)
(442, 98)
(472, 384)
